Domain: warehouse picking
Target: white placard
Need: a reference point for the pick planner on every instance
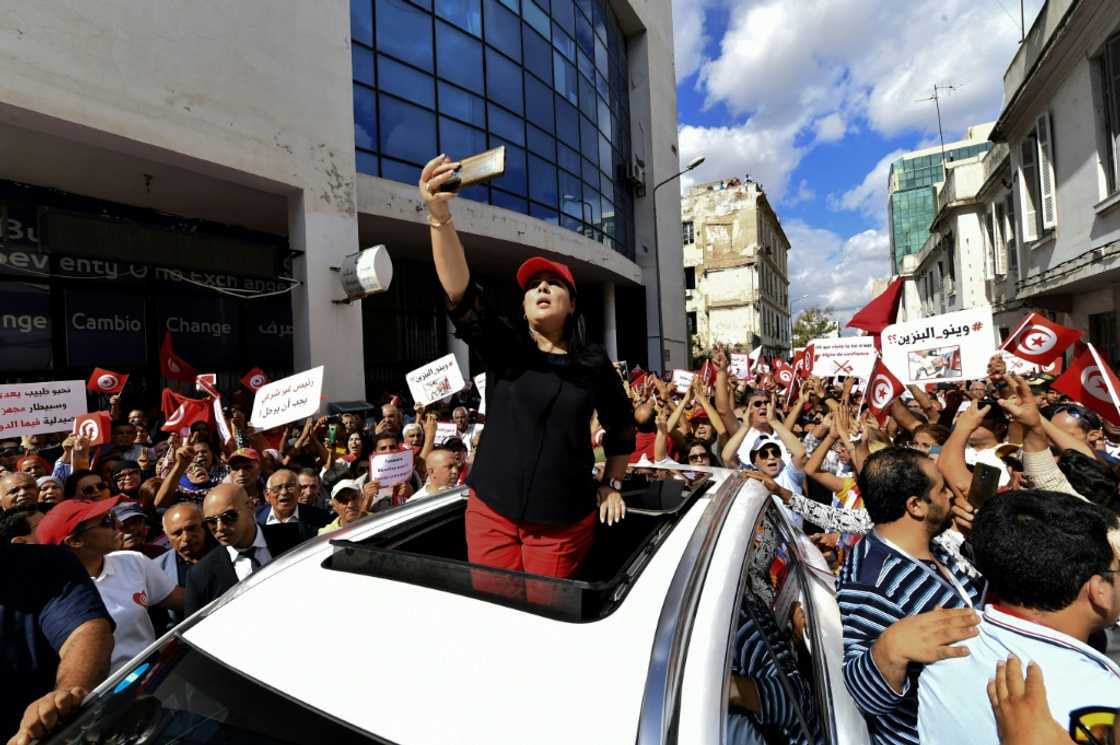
(852, 356)
(287, 400)
(1017, 365)
(38, 408)
(682, 380)
(480, 384)
(739, 366)
(940, 349)
(435, 380)
(445, 431)
(390, 469)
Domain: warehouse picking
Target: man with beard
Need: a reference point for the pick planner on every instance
(903, 599)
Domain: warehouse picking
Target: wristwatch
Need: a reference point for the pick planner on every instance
(614, 484)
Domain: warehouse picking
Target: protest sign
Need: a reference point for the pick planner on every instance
(850, 356)
(445, 431)
(940, 349)
(38, 408)
(480, 384)
(390, 469)
(682, 380)
(740, 366)
(288, 399)
(435, 380)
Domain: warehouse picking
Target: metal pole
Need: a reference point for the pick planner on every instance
(940, 133)
(1022, 23)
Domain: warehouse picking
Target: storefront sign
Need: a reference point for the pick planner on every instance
(269, 332)
(25, 326)
(104, 328)
(205, 327)
(945, 348)
(38, 408)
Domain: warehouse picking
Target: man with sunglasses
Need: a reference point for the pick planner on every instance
(755, 425)
(245, 546)
(1052, 567)
(127, 581)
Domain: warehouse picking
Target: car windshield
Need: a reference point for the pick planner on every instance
(180, 695)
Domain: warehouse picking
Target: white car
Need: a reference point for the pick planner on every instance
(703, 617)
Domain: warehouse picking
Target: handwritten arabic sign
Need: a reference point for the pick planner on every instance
(740, 366)
(435, 380)
(390, 469)
(38, 408)
(850, 356)
(682, 380)
(445, 431)
(289, 399)
(938, 349)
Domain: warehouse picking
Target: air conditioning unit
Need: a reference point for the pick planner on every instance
(636, 175)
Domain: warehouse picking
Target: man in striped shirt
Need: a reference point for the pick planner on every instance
(903, 600)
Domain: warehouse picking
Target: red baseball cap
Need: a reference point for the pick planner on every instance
(249, 453)
(67, 515)
(539, 264)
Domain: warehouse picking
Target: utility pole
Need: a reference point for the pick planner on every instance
(1022, 23)
(936, 98)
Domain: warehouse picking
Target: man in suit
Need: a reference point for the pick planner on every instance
(190, 542)
(282, 493)
(244, 546)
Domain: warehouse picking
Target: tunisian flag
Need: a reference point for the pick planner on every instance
(254, 379)
(1091, 382)
(106, 381)
(882, 388)
(96, 427)
(783, 373)
(880, 312)
(181, 411)
(1040, 341)
(171, 365)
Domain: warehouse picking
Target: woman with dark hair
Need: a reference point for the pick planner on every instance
(533, 499)
(85, 484)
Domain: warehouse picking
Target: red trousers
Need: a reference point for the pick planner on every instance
(552, 551)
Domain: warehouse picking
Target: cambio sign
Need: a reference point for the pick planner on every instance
(105, 328)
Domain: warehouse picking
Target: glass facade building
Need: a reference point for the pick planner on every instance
(913, 197)
(545, 78)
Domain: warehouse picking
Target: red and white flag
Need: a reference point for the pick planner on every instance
(809, 358)
(882, 388)
(106, 381)
(1040, 341)
(207, 383)
(189, 411)
(97, 427)
(171, 365)
(708, 373)
(783, 373)
(1090, 381)
(254, 379)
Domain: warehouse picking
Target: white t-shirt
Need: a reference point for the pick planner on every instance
(129, 582)
(952, 694)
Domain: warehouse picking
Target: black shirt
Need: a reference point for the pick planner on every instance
(535, 457)
(45, 594)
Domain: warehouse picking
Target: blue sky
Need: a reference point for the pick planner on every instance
(814, 98)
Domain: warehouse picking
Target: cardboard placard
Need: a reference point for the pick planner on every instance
(436, 380)
(445, 431)
(850, 356)
(940, 349)
(740, 366)
(480, 384)
(38, 408)
(390, 469)
(682, 380)
(288, 399)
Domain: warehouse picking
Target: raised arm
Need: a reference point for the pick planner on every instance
(951, 461)
(790, 440)
(723, 392)
(447, 251)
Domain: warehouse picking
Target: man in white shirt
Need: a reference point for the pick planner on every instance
(1048, 559)
(282, 493)
(127, 581)
(443, 472)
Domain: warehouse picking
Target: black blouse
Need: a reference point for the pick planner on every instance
(535, 458)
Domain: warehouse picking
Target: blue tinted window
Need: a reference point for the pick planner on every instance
(543, 213)
(602, 86)
(604, 119)
(476, 193)
(466, 14)
(590, 172)
(514, 179)
(605, 155)
(407, 132)
(564, 43)
(365, 122)
(564, 78)
(589, 139)
(361, 64)
(361, 21)
(512, 5)
(585, 65)
(538, 54)
(564, 14)
(587, 98)
(404, 31)
(585, 6)
(567, 122)
(366, 162)
(567, 158)
(537, 18)
(541, 143)
(406, 82)
(397, 171)
(505, 124)
(594, 216)
(503, 29)
(542, 181)
(459, 140)
(605, 183)
(598, 21)
(503, 81)
(571, 195)
(459, 57)
(458, 103)
(601, 61)
(538, 103)
(499, 198)
(584, 38)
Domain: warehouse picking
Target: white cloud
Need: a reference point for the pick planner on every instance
(768, 155)
(688, 36)
(853, 266)
(831, 128)
(870, 195)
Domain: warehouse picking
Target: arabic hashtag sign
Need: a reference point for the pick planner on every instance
(39, 408)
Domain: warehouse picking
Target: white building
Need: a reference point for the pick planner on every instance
(218, 147)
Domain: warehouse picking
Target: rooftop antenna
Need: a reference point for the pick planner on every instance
(936, 98)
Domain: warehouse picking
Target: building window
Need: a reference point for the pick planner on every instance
(691, 317)
(1037, 192)
(1110, 85)
(688, 233)
(690, 278)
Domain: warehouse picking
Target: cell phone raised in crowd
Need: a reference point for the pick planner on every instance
(476, 169)
(332, 433)
(985, 481)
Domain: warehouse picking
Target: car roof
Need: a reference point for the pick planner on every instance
(428, 660)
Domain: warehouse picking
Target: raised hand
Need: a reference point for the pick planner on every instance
(438, 170)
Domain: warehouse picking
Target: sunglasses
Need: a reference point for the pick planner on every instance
(694, 457)
(124, 474)
(760, 404)
(770, 451)
(100, 486)
(105, 522)
(229, 517)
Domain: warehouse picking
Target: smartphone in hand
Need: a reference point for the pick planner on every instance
(476, 169)
(985, 481)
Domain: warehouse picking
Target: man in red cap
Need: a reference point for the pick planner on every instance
(127, 581)
(245, 471)
(33, 464)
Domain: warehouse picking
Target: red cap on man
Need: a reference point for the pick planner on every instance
(67, 515)
(247, 453)
(539, 265)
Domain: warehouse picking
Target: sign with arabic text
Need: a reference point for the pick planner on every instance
(435, 380)
(38, 408)
(850, 356)
(940, 349)
(289, 399)
(682, 380)
(390, 469)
